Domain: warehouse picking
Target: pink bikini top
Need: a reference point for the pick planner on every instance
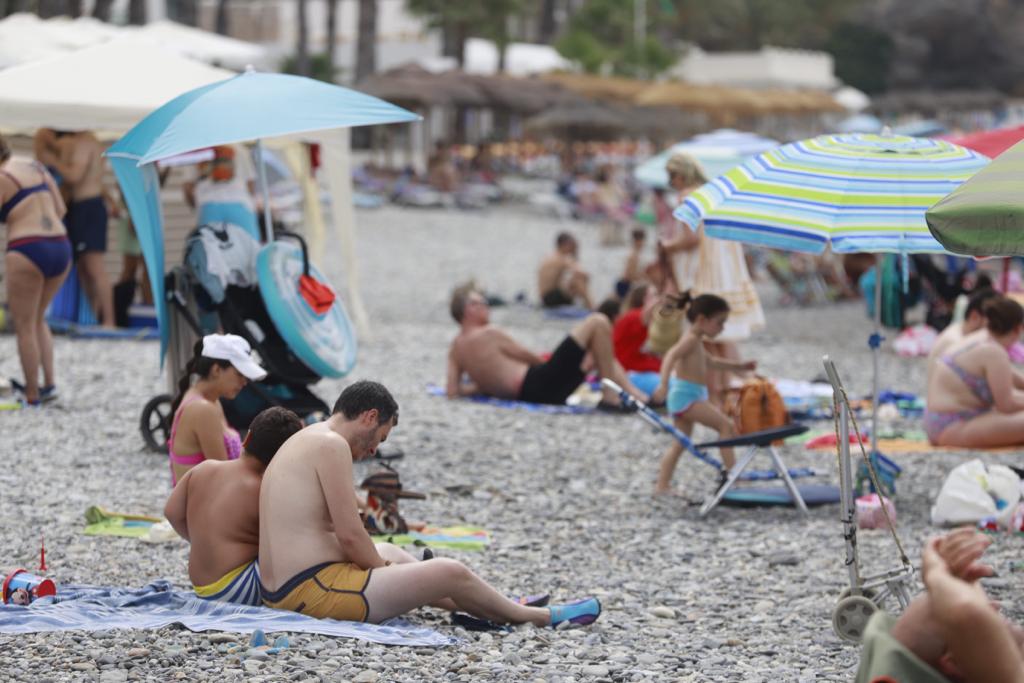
(232, 445)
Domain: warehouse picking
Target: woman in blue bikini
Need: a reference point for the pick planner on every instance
(684, 381)
(975, 397)
(37, 260)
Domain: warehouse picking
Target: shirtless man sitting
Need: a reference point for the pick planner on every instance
(560, 280)
(78, 158)
(216, 507)
(317, 559)
(500, 366)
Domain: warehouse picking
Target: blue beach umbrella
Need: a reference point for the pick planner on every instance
(717, 152)
(247, 107)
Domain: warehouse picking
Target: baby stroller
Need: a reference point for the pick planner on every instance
(201, 303)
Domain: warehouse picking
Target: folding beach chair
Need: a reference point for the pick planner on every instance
(755, 442)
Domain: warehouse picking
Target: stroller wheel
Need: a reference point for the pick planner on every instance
(850, 617)
(868, 593)
(155, 423)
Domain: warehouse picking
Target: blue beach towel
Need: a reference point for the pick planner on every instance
(435, 390)
(569, 312)
(97, 608)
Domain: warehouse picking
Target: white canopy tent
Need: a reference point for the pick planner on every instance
(107, 88)
(204, 45)
(25, 38)
(112, 86)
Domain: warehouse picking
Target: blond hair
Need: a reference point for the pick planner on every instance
(687, 168)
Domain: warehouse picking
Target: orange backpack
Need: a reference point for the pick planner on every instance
(759, 406)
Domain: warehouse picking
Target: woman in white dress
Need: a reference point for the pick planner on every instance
(709, 266)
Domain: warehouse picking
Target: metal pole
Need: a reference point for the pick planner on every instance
(846, 496)
(640, 27)
(875, 351)
(268, 225)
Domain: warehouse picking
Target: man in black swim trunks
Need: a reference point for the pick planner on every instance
(560, 280)
(78, 157)
(497, 365)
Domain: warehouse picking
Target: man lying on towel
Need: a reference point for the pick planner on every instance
(215, 507)
(317, 559)
(499, 366)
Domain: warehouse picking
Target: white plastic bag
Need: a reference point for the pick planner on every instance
(974, 491)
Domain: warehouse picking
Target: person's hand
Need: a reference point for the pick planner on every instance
(750, 365)
(961, 550)
(658, 396)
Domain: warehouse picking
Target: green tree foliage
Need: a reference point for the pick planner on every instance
(602, 32)
(751, 24)
(862, 56)
(461, 20)
(320, 67)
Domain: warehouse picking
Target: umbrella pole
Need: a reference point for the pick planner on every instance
(875, 344)
(268, 225)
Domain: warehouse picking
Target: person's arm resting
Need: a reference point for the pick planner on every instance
(177, 506)
(1001, 380)
(455, 386)
(335, 473)
(513, 349)
(719, 363)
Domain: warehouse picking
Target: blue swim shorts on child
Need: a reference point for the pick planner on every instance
(682, 394)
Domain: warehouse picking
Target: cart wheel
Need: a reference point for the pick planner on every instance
(850, 617)
(155, 424)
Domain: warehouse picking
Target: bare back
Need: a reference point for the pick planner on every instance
(552, 272)
(40, 213)
(976, 355)
(223, 508)
(296, 531)
(690, 362)
(482, 353)
(83, 153)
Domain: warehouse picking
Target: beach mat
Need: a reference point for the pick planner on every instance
(770, 496)
(435, 390)
(99, 608)
(456, 537)
(567, 312)
(911, 443)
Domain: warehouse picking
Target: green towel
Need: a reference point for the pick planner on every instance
(459, 537)
(104, 523)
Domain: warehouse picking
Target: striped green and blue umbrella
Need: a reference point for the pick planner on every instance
(985, 215)
(857, 192)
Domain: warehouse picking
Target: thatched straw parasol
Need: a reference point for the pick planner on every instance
(601, 88)
(413, 85)
(580, 120)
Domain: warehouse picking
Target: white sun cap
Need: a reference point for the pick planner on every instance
(232, 348)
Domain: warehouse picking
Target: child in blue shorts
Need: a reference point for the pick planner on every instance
(683, 381)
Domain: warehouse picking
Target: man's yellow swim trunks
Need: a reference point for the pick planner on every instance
(332, 590)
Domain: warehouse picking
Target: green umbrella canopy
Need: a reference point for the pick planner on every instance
(985, 215)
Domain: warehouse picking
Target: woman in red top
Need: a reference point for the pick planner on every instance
(630, 331)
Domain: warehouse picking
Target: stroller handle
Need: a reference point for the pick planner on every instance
(302, 243)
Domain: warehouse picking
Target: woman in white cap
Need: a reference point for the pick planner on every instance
(223, 364)
(705, 265)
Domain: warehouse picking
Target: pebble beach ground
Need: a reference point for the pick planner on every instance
(744, 595)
